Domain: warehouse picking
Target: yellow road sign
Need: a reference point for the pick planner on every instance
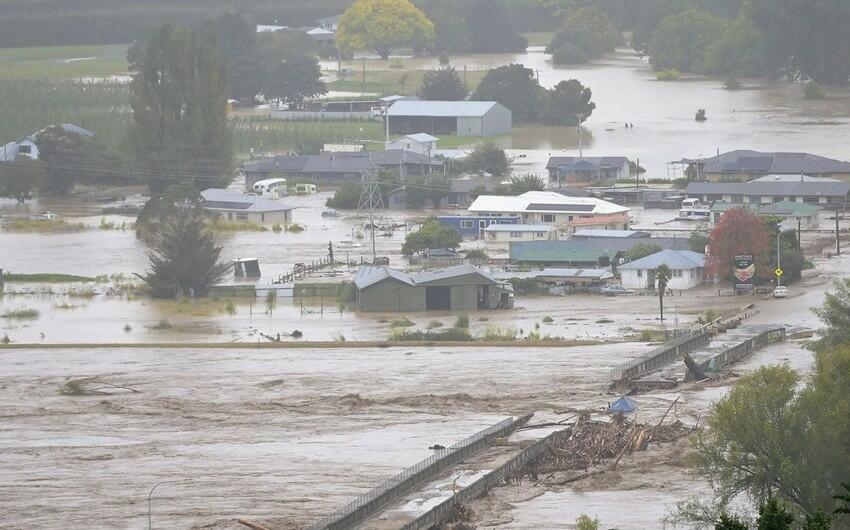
(778, 272)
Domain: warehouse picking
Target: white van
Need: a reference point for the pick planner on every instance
(305, 189)
(270, 188)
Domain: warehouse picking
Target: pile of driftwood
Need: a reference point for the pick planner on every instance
(591, 443)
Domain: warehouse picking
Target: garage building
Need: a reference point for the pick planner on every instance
(459, 288)
(463, 118)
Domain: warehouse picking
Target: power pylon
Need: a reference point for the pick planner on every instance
(370, 199)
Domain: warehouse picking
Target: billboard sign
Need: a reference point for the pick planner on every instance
(745, 271)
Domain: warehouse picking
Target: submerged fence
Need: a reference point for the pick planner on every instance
(369, 503)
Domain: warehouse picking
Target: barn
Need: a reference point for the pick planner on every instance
(459, 288)
(463, 118)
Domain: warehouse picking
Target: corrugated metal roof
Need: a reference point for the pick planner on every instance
(544, 201)
(559, 273)
(760, 188)
(746, 161)
(558, 252)
(465, 109)
(371, 274)
(587, 162)
(223, 200)
(619, 234)
(675, 259)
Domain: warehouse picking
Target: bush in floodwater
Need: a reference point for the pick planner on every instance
(346, 293)
(812, 90)
(162, 324)
(73, 387)
(434, 324)
(230, 308)
(22, 314)
(548, 320)
(416, 335)
(276, 228)
(128, 328)
(295, 228)
(5, 339)
(646, 335)
(584, 522)
(670, 74)
(499, 334)
(462, 322)
(402, 322)
(526, 286)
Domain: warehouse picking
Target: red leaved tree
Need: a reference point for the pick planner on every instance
(738, 232)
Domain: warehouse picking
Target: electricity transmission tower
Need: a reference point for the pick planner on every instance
(370, 199)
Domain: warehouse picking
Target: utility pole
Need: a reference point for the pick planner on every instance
(364, 75)
(837, 241)
(778, 263)
(370, 198)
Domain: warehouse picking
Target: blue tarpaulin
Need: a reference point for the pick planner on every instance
(624, 404)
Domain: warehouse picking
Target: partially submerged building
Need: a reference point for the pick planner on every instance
(743, 164)
(474, 225)
(509, 233)
(459, 288)
(827, 193)
(688, 270)
(567, 214)
(462, 118)
(236, 207)
(570, 169)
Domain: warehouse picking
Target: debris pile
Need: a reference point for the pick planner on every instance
(591, 443)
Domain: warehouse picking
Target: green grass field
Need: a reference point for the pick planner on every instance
(63, 62)
(388, 82)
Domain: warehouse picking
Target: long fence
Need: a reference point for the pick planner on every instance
(739, 351)
(444, 511)
(664, 354)
(369, 503)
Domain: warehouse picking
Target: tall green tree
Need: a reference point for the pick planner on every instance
(67, 156)
(515, 87)
(587, 34)
(184, 256)
(432, 234)
(529, 182)
(774, 516)
(680, 40)
(179, 102)
(236, 35)
(489, 158)
(492, 29)
(19, 178)
(382, 26)
(663, 274)
(443, 84)
(568, 103)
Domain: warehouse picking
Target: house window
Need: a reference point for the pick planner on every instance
(570, 218)
(541, 235)
(467, 224)
(242, 217)
(516, 235)
(25, 149)
(677, 274)
(548, 218)
(640, 273)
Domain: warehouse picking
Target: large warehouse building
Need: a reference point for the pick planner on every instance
(464, 118)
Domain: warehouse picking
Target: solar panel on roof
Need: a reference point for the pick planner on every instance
(561, 207)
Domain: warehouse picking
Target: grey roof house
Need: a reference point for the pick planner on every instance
(237, 207)
(459, 288)
(744, 164)
(687, 267)
(463, 118)
(336, 168)
(462, 192)
(566, 169)
(824, 192)
(28, 147)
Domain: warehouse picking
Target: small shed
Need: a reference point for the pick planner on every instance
(421, 143)
(459, 288)
(505, 233)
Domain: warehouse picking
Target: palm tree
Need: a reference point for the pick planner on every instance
(662, 276)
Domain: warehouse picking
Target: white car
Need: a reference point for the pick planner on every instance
(780, 292)
(48, 216)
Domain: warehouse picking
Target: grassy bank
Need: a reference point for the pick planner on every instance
(394, 81)
(42, 226)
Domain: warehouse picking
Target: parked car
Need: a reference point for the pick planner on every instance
(614, 290)
(48, 216)
(780, 292)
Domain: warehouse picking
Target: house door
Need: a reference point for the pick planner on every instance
(483, 297)
(438, 298)
(482, 224)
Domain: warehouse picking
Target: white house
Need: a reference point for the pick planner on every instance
(688, 270)
(567, 214)
(499, 233)
(421, 143)
(251, 208)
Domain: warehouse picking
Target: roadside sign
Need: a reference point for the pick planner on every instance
(778, 272)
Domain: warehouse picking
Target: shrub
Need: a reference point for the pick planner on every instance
(415, 335)
(276, 228)
(402, 322)
(128, 328)
(584, 522)
(526, 286)
(812, 90)
(548, 320)
(295, 228)
(22, 314)
(499, 334)
(162, 324)
(646, 335)
(670, 74)
(5, 339)
(434, 324)
(230, 308)
(462, 322)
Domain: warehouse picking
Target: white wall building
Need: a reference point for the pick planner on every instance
(688, 270)
(497, 233)
(421, 143)
(567, 214)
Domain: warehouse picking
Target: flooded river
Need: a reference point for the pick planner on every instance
(763, 115)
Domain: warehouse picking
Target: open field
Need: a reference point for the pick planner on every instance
(63, 62)
(385, 80)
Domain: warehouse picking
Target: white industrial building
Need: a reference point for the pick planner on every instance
(236, 207)
(463, 118)
(421, 143)
(505, 233)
